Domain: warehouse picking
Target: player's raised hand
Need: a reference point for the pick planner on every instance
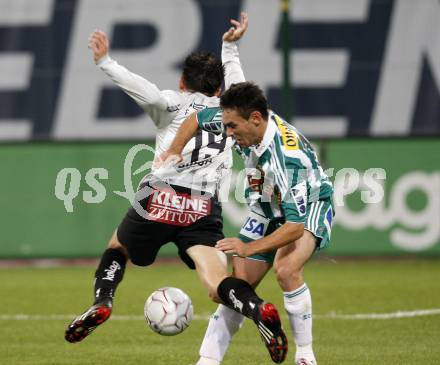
(98, 43)
(238, 28)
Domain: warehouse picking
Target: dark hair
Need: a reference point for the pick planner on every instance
(203, 72)
(245, 97)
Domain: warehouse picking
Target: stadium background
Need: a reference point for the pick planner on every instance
(365, 79)
(365, 76)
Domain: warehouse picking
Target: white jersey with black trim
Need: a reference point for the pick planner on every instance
(206, 156)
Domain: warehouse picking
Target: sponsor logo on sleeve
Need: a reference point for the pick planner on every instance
(288, 136)
(299, 196)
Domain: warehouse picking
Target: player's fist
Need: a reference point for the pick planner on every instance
(237, 30)
(98, 43)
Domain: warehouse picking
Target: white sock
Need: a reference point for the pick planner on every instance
(223, 324)
(298, 305)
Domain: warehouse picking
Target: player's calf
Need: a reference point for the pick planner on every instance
(108, 275)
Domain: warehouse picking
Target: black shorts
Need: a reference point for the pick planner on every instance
(143, 237)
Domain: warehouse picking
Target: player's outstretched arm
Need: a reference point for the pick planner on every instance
(98, 43)
(146, 94)
(287, 233)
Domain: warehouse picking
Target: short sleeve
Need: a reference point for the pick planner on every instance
(210, 120)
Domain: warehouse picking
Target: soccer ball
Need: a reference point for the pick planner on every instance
(168, 311)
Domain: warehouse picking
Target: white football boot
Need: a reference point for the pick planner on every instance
(303, 361)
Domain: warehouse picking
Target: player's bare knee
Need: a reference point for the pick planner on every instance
(287, 274)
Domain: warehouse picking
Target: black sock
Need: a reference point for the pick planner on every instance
(109, 273)
(239, 295)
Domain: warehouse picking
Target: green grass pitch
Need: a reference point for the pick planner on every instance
(51, 295)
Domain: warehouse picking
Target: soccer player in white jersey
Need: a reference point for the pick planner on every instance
(291, 211)
(179, 205)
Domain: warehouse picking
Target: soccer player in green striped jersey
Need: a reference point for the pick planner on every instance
(290, 210)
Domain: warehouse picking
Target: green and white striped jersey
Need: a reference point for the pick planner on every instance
(284, 174)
